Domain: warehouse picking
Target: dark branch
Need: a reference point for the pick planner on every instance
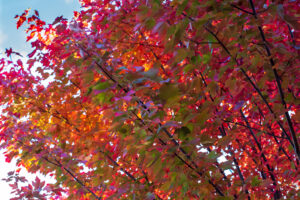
(287, 115)
(241, 9)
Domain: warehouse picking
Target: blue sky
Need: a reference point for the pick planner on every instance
(48, 10)
(16, 39)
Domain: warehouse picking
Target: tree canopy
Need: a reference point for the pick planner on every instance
(150, 99)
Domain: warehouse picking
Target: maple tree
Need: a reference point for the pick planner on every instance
(174, 99)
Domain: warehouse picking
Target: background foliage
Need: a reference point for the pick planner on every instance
(157, 100)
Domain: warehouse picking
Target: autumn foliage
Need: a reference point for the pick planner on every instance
(150, 99)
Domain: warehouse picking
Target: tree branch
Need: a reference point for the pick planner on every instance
(277, 193)
(287, 115)
(241, 9)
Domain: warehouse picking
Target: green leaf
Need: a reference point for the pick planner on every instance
(206, 58)
(224, 141)
(231, 84)
(213, 88)
(212, 155)
(169, 45)
(196, 60)
(152, 73)
(170, 31)
(255, 181)
(211, 38)
(188, 68)
(102, 86)
(181, 7)
(226, 165)
(224, 198)
(180, 55)
(180, 30)
(206, 140)
(168, 91)
(182, 132)
(88, 76)
(184, 182)
(202, 117)
(150, 23)
(155, 155)
(104, 97)
(124, 130)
